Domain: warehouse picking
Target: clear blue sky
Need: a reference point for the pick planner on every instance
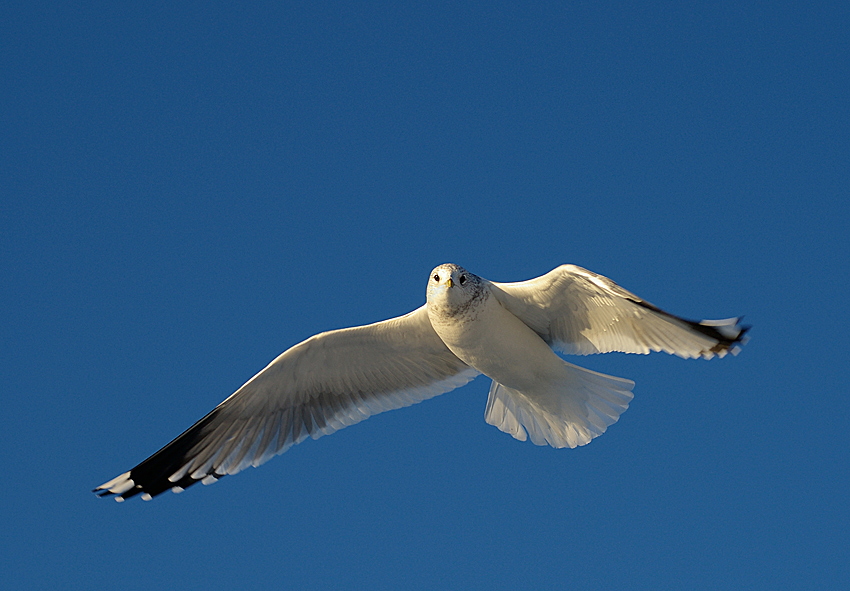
(186, 186)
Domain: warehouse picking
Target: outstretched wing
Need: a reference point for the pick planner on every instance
(330, 381)
(580, 312)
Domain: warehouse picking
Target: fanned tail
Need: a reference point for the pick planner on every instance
(572, 413)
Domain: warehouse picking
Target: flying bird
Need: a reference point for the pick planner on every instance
(468, 326)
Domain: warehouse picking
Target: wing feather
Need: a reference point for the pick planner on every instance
(328, 382)
(580, 312)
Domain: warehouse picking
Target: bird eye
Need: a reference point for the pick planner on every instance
(436, 278)
(462, 279)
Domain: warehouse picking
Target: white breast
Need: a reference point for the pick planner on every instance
(500, 345)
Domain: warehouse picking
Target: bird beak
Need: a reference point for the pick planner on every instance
(449, 282)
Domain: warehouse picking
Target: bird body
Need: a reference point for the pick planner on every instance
(468, 326)
(486, 334)
(536, 392)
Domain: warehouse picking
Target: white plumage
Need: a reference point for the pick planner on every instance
(468, 326)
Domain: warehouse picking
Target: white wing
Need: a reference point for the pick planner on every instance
(330, 381)
(579, 312)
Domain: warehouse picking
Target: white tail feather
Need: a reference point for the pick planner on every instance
(575, 411)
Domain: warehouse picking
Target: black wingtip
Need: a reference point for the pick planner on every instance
(729, 333)
(151, 477)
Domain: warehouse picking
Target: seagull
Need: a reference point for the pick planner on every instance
(468, 326)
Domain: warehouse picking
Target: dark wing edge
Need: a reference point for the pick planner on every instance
(152, 474)
(728, 333)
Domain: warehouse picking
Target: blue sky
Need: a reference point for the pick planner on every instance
(188, 189)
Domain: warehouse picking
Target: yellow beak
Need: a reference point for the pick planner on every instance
(449, 282)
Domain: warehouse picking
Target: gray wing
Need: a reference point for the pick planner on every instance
(330, 381)
(580, 312)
